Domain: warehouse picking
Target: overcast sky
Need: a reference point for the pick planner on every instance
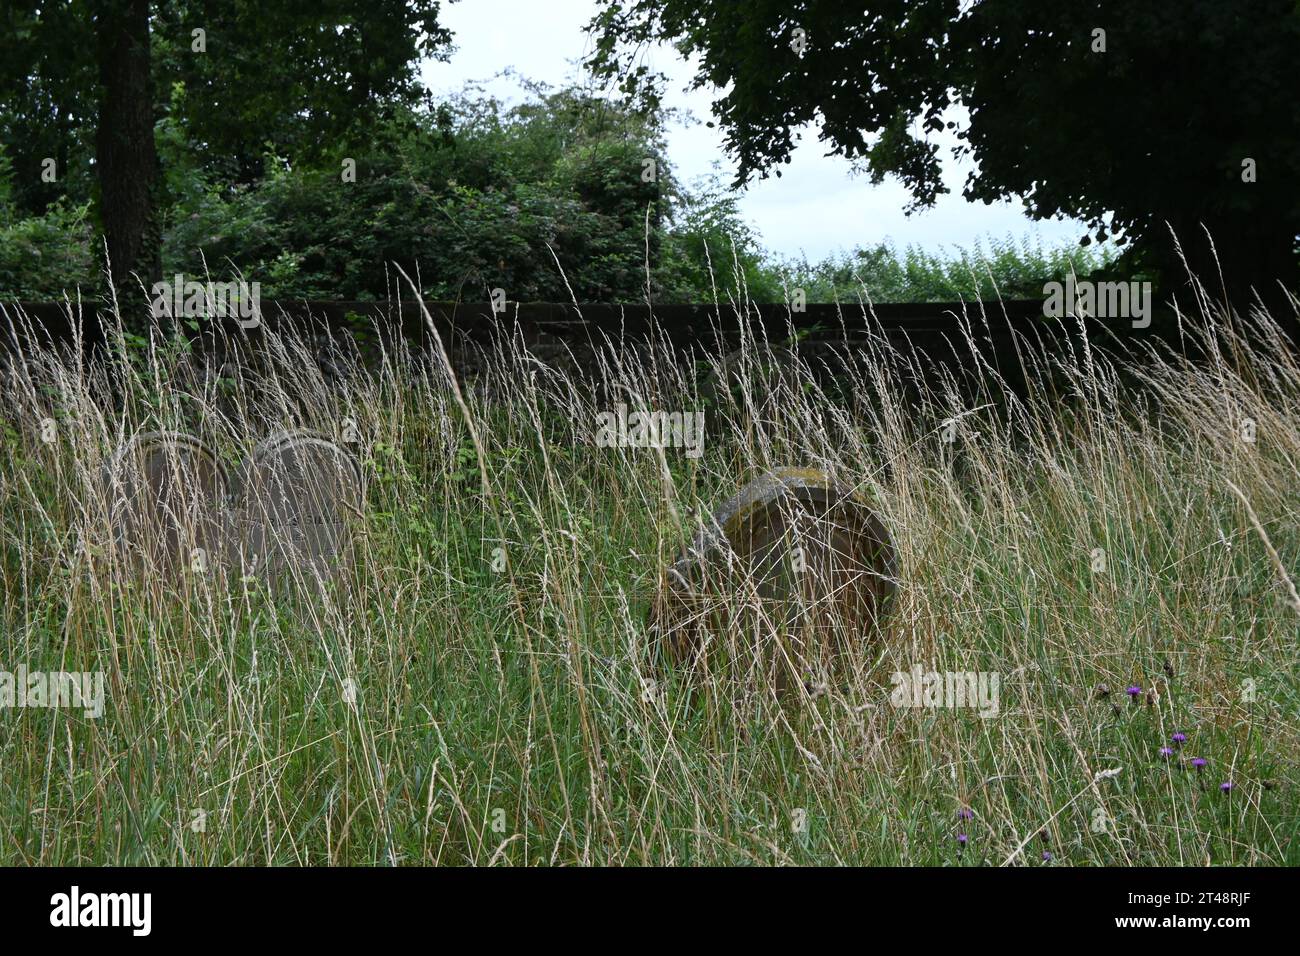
(818, 205)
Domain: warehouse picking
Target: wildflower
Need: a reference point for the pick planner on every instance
(1226, 786)
(961, 842)
(1047, 856)
(1179, 738)
(1166, 752)
(1134, 692)
(965, 813)
(1199, 762)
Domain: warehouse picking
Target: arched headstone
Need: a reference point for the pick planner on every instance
(166, 493)
(302, 496)
(793, 554)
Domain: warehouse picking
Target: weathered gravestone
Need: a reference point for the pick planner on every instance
(779, 581)
(302, 495)
(166, 496)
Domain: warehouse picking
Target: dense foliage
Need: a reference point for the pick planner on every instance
(470, 198)
(87, 81)
(549, 200)
(41, 256)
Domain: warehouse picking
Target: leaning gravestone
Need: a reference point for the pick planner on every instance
(166, 493)
(794, 554)
(302, 495)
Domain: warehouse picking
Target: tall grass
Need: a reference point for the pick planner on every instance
(440, 701)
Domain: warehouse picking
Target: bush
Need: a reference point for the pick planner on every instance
(42, 257)
(881, 273)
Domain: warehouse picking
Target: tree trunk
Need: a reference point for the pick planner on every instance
(125, 153)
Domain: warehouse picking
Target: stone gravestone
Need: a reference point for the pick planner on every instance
(302, 496)
(798, 564)
(166, 495)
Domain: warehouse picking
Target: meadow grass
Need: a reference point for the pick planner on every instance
(1128, 520)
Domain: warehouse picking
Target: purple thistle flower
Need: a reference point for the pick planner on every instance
(1226, 786)
(1166, 752)
(1179, 738)
(1047, 856)
(965, 813)
(1134, 692)
(961, 840)
(1199, 762)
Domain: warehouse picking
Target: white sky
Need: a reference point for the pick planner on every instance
(817, 206)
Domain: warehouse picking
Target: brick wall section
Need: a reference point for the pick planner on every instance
(941, 332)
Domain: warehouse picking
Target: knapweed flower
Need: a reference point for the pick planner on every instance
(1166, 752)
(1134, 692)
(961, 840)
(1179, 738)
(1226, 786)
(1199, 762)
(965, 813)
(1047, 856)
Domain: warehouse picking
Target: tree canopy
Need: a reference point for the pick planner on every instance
(83, 78)
(1137, 118)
